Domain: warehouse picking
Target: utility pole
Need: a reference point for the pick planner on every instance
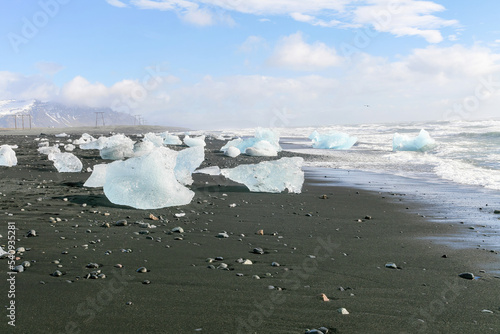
(97, 113)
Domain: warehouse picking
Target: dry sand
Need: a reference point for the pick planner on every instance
(318, 242)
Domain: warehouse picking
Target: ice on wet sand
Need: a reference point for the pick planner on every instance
(66, 162)
(7, 156)
(146, 182)
(269, 176)
(332, 140)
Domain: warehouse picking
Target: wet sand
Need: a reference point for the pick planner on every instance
(323, 245)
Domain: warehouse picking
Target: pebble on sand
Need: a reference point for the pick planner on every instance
(324, 297)
(343, 311)
(467, 275)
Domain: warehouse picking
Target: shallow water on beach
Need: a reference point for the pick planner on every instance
(437, 200)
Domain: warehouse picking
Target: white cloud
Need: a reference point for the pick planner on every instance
(404, 18)
(48, 67)
(397, 17)
(17, 86)
(419, 86)
(293, 52)
(116, 3)
(252, 43)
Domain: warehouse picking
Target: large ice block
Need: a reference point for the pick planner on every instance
(66, 162)
(7, 156)
(117, 147)
(146, 182)
(97, 178)
(264, 143)
(332, 140)
(194, 141)
(269, 176)
(187, 161)
(422, 142)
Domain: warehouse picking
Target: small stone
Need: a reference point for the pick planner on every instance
(31, 233)
(20, 250)
(18, 269)
(223, 266)
(368, 217)
(106, 225)
(223, 235)
(26, 264)
(391, 265)
(247, 262)
(122, 222)
(467, 275)
(178, 229)
(275, 264)
(128, 303)
(92, 265)
(343, 311)
(57, 273)
(146, 281)
(255, 276)
(142, 270)
(258, 250)
(260, 232)
(239, 274)
(487, 311)
(118, 265)
(324, 297)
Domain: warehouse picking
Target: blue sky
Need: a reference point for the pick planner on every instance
(235, 63)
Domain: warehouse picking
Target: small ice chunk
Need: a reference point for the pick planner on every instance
(269, 176)
(7, 156)
(262, 148)
(212, 170)
(117, 147)
(97, 178)
(194, 141)
(146, 182)
(66, 162)
(153, 138)
(85, 138)
(332, 140)
(423, 142)
(62, 135)
(187, 161)
(94, 144)
(49, 149)
(170, 139)
(69, 147)
(265, 143)
(232, 152)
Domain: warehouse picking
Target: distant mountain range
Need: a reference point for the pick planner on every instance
(13, 113)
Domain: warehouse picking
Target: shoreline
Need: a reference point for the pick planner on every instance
(319, 243)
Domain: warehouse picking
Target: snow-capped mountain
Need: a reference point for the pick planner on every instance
(52, 114)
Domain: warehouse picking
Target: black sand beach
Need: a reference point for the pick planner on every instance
(332, 240)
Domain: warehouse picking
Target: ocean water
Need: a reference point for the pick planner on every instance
(458, 180)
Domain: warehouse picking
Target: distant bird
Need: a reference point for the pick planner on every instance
(367, 105)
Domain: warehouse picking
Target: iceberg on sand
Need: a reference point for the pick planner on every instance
(117, 147)
(146, 182)
(187, 161)
(265, 143)
(170, 139)
(269, 176)
(332, 140)
(194, 141)
(422, 142)
(66, 162)
(7, 156)
(97, 178)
